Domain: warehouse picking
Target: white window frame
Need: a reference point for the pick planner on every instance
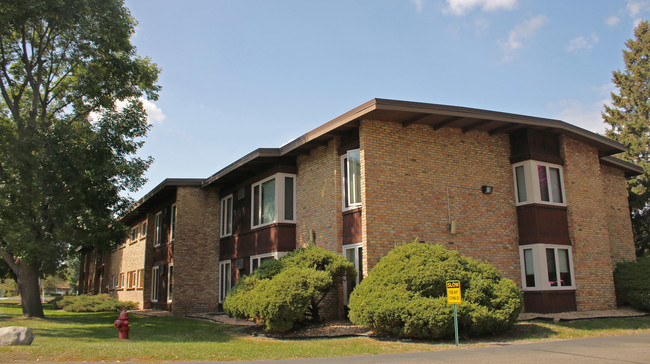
(134, 233)
(540, 267)
(259, 257)
(279, 200)
(357, 264)
(226, 215)
(224, 266)
(170, 279)
(157, 229)
(143, 229)
(345, 177)
(155, 283)
(139, 280)
(533, 192)
(172, 222)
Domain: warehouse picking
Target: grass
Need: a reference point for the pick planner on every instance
(64, 336)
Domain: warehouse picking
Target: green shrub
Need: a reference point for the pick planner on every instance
(632, 279)
(94, 303)
(405, 295)
(281, 293)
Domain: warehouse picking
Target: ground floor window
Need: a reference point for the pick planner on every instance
(257, 260)
(353, 253)
(170, 282)
(225, 274)
(154, 283)
(546, 267)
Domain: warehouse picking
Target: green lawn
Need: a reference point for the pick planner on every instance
(64, 336)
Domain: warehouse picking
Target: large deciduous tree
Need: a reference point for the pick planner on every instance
(629, 119)
(67, 153)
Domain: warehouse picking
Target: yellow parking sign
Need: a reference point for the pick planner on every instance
(453, 292)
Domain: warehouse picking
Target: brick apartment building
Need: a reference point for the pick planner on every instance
(540, 199)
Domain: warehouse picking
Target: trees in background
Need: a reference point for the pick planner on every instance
(67, 153)
(629, 121)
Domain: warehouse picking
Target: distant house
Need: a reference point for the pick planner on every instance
(540, 199)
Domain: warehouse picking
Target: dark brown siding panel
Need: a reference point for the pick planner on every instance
(352, 227)
(529, 144)
(540, 224)
(549, 301)
(272, 238)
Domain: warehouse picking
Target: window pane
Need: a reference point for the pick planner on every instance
(556, 185)
(256, 205)
(551, 267)
(354, 177)
(521, 184)
(288, 198)
(543, 183)
(268, 201)
(170, 283)
(229, 215)
(565, 273)
(173, 222)
(143, 231)
(530, 268)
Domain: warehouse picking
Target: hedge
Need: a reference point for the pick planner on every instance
(632, 279)
(405, 295)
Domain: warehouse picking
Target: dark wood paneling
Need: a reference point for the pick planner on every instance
(163, 254)
(549, 301)
(537, 145)
(268, 239)
(543, 224)
(352, 227)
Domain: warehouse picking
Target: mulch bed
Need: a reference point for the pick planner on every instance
(340, 328)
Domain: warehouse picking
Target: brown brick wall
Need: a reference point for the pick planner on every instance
(619, 224)
(592, 256)
(127, 258)
(318, 199)
(405, 174)
(196, 251)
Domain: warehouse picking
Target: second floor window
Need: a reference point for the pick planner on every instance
(351, 172)
(226, 215)
(157, 238)
(273, 200)
(538, 182)
(172, 225)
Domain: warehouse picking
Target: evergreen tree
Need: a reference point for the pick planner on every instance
(67, 153)
(629, 119)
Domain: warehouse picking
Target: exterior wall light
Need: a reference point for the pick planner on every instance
(487, 189)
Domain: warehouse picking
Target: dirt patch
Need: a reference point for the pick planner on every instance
(340, 328)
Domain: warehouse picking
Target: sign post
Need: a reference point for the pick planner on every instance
(454, 298)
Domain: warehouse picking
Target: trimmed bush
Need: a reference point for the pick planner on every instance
(281, 293)
(94, 303)
(632, 279)
(405, 295)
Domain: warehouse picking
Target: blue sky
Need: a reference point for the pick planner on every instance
(241, 74)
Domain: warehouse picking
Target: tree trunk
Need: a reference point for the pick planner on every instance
(30, 297)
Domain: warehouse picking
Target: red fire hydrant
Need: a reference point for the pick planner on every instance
(122, 325)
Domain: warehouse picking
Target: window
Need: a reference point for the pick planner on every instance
(172, 225)
(170, 282)
(226, 216)
(122, 280)
(351, 172)
(546, 267)
(129, 280)
(114, 281)
(134, 234)
(143, 230)
(538, 182)
(257, 260)
(139, 280)
(273, 200)
(354, 254)
(224, 279)
(154, 284)
(157, 239)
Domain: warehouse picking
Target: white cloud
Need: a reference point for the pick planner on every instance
(155, 114)
(460, 7)
(520, 32)
(586, 116)
(612, 20)
(419, 5)
(582, 43)
(634, 7)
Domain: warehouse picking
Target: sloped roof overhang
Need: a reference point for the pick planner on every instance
(409, 113)
(166, 189)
